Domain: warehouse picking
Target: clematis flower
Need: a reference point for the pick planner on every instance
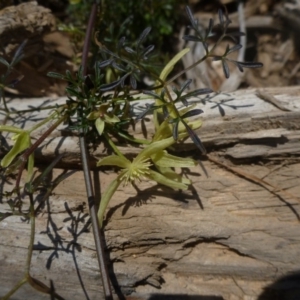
(102, 116)
(140, 168)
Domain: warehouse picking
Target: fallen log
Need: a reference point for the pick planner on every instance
(233, 235)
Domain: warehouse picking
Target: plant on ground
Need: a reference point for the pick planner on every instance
(102, 110)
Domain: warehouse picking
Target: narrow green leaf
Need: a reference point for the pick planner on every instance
(4, 62)
(110, 86)
(100, 124)
(155, 147)
(56, 75)
(143, 36)
(234, 48)
(175, 130)
(110, 118)
(170, 65)
(185, 85)
(196, 140)
(164, 159)
(198, 92)
(18, 54)
(73, 92)
(186, 109)
(22, 143)
(147, 51)
(107, 196)
(192, 124)
(246, 64)
(192, 113)
(225, 68)
(154, 95)
(191, 38)
(30, 167)
(191, 17)
(11, 129)
(93, 115)
(163, 131)
(114, 160)
(129, 50)
(104, 63)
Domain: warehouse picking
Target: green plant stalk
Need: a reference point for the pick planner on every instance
(31, 242)
(15, 288)
(29, 253)
(199, 61)
(98, 233)
(42, 138)
(42, 122)
(27, 278)
(134, 140)
(112, 145)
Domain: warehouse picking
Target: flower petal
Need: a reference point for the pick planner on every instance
(164, 159)
(192, 124)
(114, 160)
(169, 173)
(166, 181)
(163, 131)
(110, 118)
(154, 147)
(106, 197)
(93, 115)
(100, 124)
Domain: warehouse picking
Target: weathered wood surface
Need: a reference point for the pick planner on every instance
(251, 127)
(227, 237)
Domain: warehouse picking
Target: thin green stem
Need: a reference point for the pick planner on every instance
(199, 61)
(112, 145)
(32, 234)
(29, 253)
(15, 288)
(134, 140)
(42, 122)
(42, 137)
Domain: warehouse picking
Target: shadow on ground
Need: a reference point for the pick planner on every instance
(285, 288)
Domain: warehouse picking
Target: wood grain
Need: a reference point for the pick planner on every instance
(227, 237)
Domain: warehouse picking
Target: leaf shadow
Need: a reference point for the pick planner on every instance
(220, 103)
(21, 119)
(144, 196)
(78, 223)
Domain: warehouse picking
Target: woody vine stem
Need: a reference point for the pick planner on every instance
(98, 232)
